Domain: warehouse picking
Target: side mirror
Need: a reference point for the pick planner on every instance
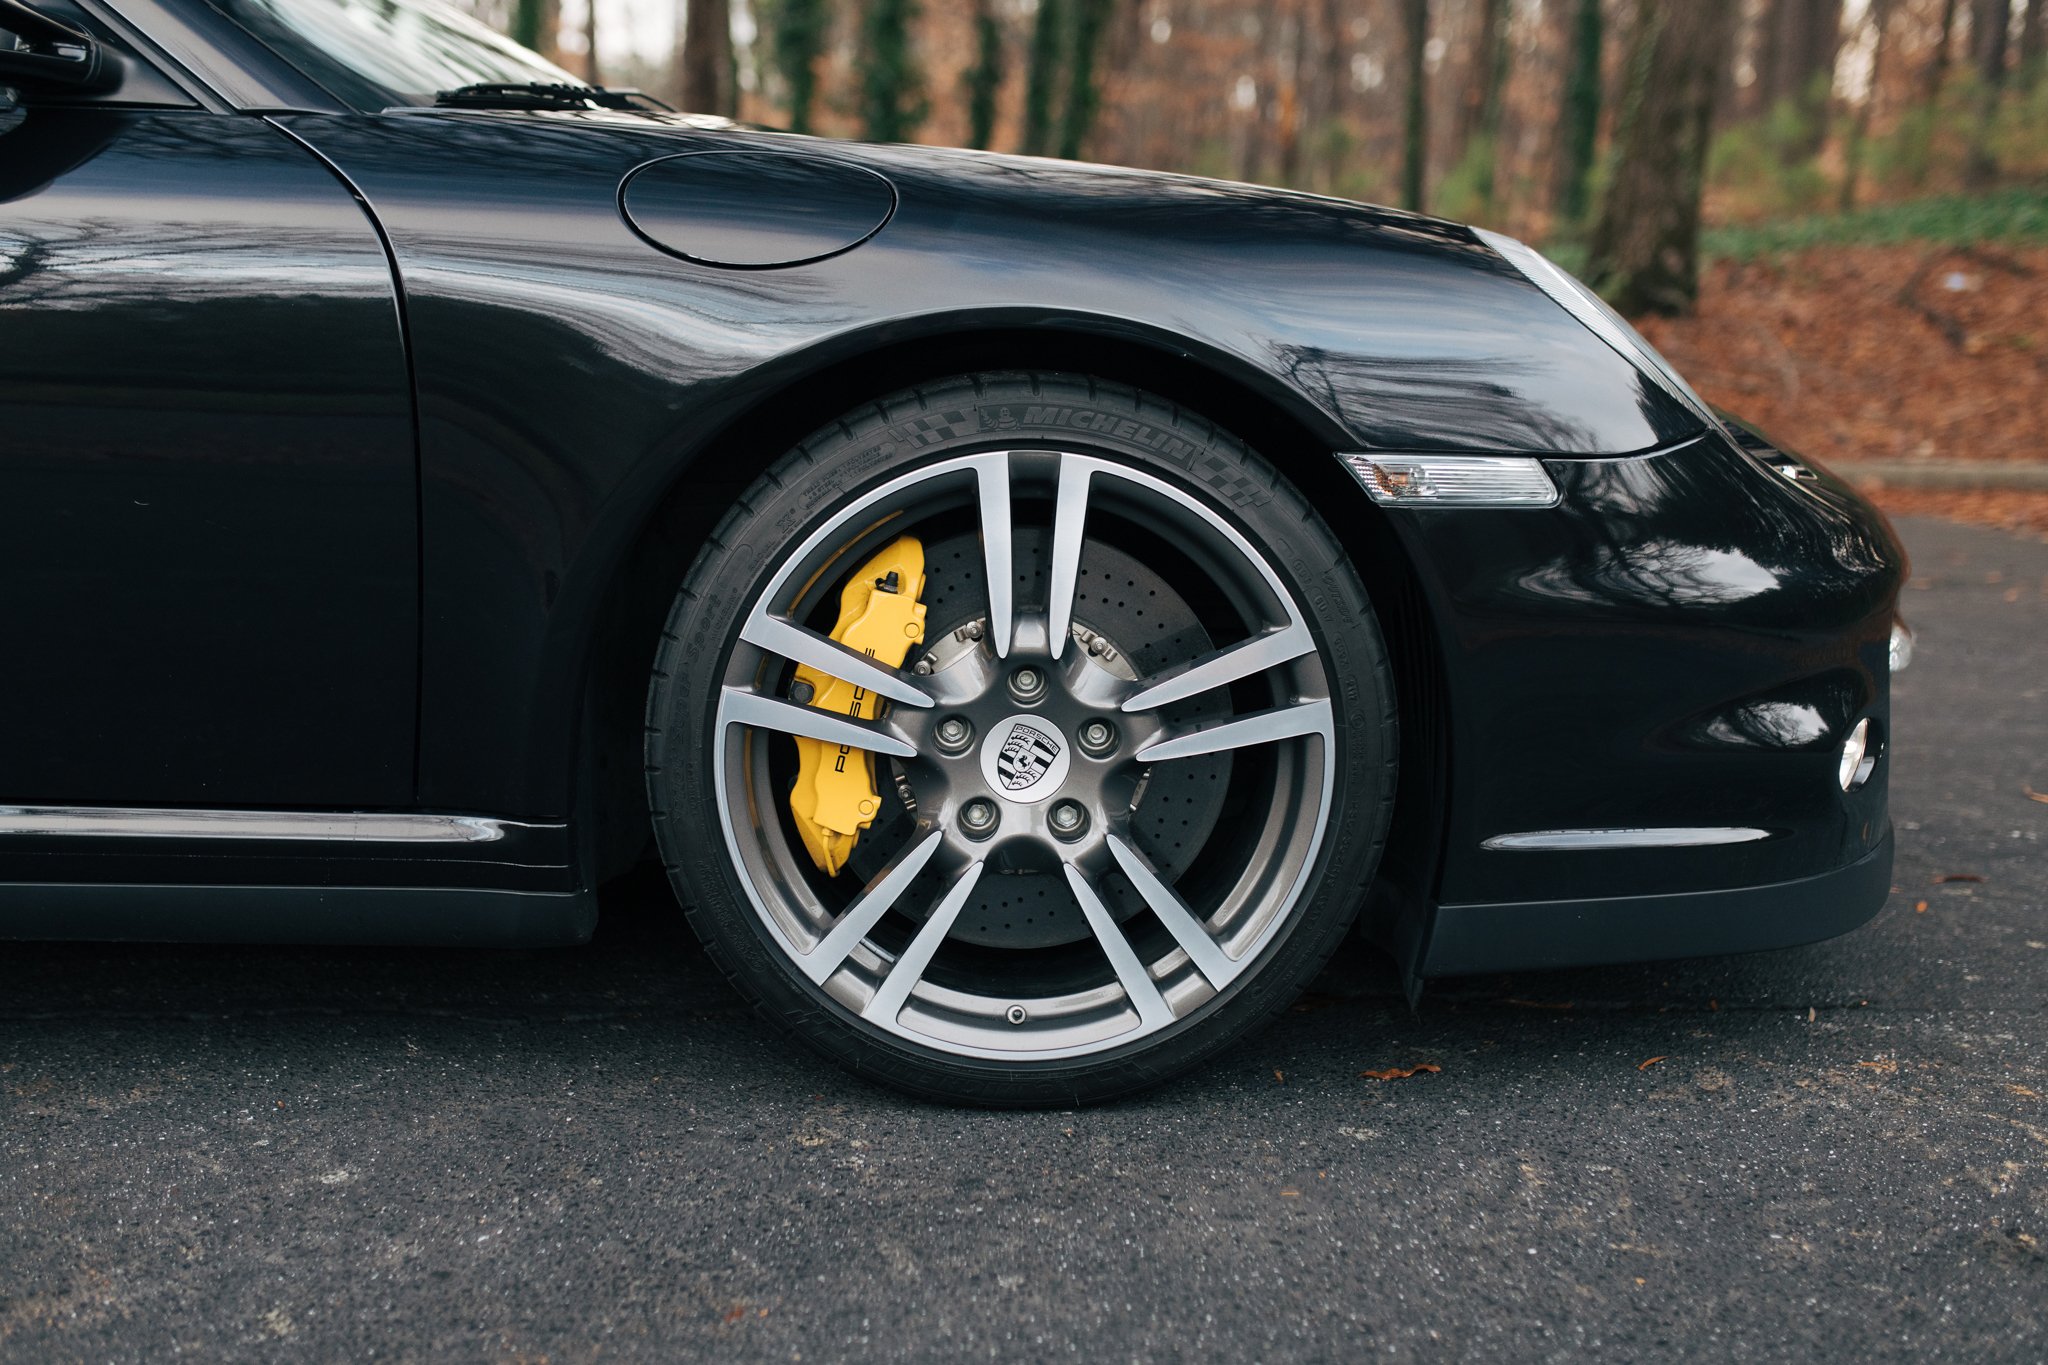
(49, 55)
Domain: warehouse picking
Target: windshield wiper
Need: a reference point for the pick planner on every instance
(540, 95)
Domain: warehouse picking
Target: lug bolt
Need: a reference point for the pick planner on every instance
(1016, 1014)
(954, 734)
(978, 817)
(1067, 818)
(1097, 737)
(1027, 684)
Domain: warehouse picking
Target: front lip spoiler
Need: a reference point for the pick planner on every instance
(1535, 935)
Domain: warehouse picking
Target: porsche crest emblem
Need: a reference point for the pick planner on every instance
(1026, 756)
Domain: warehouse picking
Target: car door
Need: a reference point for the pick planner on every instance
(208, 503)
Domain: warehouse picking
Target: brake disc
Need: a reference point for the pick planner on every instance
(1139, 625)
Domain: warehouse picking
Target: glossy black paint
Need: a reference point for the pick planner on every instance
(295, 912)
(1683, 641)
(755, 210)
(208, 505)
(570, 375)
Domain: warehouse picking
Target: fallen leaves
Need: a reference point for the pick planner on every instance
(1947, 877)
(1885, 1065)
(2033, 795)
(1402, 1073)
(1919, 907)
(2003, 509)
(1820, 349)
(1649, 1062)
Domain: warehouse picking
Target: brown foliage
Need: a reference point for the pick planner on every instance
(1830, 353)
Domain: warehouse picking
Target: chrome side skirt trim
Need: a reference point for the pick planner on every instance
(293, 826)
(1574, 840)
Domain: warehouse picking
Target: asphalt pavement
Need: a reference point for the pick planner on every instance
(1833, 1152)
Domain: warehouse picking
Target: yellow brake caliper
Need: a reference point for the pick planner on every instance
(880, 616)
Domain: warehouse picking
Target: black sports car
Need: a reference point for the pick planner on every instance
(1032, 608)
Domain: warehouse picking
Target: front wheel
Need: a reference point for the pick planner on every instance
(1021, 740)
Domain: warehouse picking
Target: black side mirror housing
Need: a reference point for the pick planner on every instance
(51, 56)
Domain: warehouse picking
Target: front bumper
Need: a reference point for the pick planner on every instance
(1530, 935)
(1678, 648)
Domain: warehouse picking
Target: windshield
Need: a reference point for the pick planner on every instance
(377, 53)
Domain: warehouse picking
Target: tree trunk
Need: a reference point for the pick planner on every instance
(1645, 249)
(1479, 100)
(1859, 130)
(1295, 95)
(1415, 132)
(798, 38)
(1083, 92)
(1579, 129)
(1479, 107)
(591, 72)
(892, 102)
(1937, 63)
(1330, 86)
(1990, 21)
(1041, 83)
(2033, 44)
(1804, 38)
(708, 84)
(1923, 120)
(534, 23)
(984, 80)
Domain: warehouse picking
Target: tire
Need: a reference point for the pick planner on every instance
(1131, 910)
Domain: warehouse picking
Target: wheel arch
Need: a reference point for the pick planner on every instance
(1285, 427)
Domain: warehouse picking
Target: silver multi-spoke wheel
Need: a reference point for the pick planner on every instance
(1103, 776)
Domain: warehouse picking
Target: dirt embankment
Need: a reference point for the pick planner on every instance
(1895, 353)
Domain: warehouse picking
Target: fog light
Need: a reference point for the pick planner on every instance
(1852, 772)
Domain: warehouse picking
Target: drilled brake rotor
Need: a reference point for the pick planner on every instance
(1149, 627)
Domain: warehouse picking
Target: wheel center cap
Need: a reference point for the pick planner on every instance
(1025, 758)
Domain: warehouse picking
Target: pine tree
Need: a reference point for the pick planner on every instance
(1580, 128)
(800, 27)
(985, 78)
(1042, 81)
(533, 24)
(1083, 95)
(891, 88)
(1415, 125)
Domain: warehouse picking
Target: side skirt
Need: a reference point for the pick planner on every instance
(220, 876)
(414, 915)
